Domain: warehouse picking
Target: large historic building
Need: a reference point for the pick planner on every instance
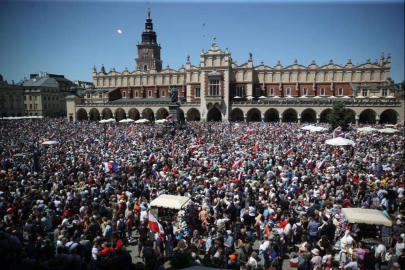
(219, 89)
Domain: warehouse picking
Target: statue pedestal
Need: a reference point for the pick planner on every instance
(174, 109)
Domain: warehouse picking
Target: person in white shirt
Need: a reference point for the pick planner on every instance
(252, 260)
(380, 253)
(399, 246)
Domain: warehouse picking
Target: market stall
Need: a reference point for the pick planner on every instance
(167, 206)
(368, 224)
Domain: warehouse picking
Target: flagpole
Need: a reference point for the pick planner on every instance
(334, 131)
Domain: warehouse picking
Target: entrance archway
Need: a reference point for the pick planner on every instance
(254, 115)
(94, 115)
(106, 113)
(120, 114)
(324, 115)
(290, 115)
(181, 115)
(148, 114)
(214, 115)
(388, 117)
(237, 115)
(308, 116)
(81, 115)
(134, 114)
(193, 115)
(367, 117)
(271, 115)
(162, 113)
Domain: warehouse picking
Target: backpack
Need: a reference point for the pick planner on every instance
(298, 230)
(121, 225)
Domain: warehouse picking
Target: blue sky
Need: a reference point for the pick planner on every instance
(69, 37)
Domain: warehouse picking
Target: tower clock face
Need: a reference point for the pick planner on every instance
(145, 50)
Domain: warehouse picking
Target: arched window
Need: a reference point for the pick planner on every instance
(136, 94)
(124, 94)
(288, 90)
(163, 93)
(145, 67)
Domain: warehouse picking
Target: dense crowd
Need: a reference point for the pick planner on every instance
(260, 193)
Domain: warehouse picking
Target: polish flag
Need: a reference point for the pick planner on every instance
(255, 147)
(245, 137)
(86, 140)
(131, 133)
(237, 164)
(152, 158)
(300, 137)
(338, 130)
(211, 148)
(366, 158)
(107, 166)
(193, 148)
(306, 146)
(129, 128)
(170, 117)
(374, 135)
(240, 175)
(236, 128)
(87, 158)
(53, 136)
(203, 139)
(309, 164)
(109, 130)
(319, 165)
(110, 145)
(74, 132)
(289, 151)
(44, 140)
(250, 131)
(155, 226)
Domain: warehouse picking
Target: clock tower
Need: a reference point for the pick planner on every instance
(148, 50)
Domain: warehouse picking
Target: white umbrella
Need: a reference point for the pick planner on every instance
(389, 125)
(359, 97)
(303, 97)
(262, 97)
(276, 97)
(249, 97)
(388, 130)
(111, 120)
(374, 97)
(50, 142)
(104, 121)
(310, 127)
(236, 97)
(389, 97)
(161, 121)
(317, 97)
(321, 129)
(366, 129)
(332, 97)
(289, 97)
(127, 121)
(339, 142)
(346, 97)
(141, 121)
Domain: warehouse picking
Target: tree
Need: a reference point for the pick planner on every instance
(340, 116)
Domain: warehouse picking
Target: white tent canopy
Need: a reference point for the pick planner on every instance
(141, 121)
(321, 129)
(310, 127)
(388, 130)
(160, 121)
(339, 142)
(127, 121)
(366, 216)
(366, 129)
(170, 201)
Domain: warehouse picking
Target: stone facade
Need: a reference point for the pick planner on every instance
(11, 99)
(220, 89)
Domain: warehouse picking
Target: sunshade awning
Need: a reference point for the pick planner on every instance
(366, 216)
(170, 201)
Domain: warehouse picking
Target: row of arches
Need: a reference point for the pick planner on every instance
(367, 116)
(95, 115)
(309, 115)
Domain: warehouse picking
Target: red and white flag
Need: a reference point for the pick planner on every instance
(255, 147)
(193, 148)
(53, 136)
(152, 158)
(366, 158)
(110, 145)
(131, 133)
(211, 148)
(44, 140)
(203, 139)
(300, 137)
(109, 130)
(74, 132)
(374, 135)
(170, 117)
(319, 165)
(86, 140)
(237, 164)
(309, 164)
(155, 226)
(289, 151)
(130, 128)
(250, 131)
(245, 137)
(240, 175)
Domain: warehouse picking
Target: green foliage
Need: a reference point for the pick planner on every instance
(339, 116)
(180, 260)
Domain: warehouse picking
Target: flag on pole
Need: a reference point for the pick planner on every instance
(129, 128)
(53, 136)
(170, 117)
(109, 130)
(155, 226)
(240, 175)
(255, 147)
(152, 158)
(203, 139)
(86, 140)
(192, 148)
(211, 148)
(300, 137)
(366, 158)
(131, 133)
(309, 164)
(110, 145)
(245, 137)
(289, 151)
(74, 132)
(319, 165)
(250, 131)
(237, 164)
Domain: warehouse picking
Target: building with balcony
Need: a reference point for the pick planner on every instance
(218, 89)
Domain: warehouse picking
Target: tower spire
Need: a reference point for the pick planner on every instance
(148, 11)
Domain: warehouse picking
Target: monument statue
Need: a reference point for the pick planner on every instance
(174, 95)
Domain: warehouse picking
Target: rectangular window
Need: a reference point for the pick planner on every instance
(239, 91)
(305, 92)
(322, 91)
(136, 94)
(197, 92)
(36, 97)
(149, 93)
(88, 95)
(100, 95)
(385, 92)
(45, 106)
(288, 91)
(365, 92)
(124, 94)
(214, 88)
(271, 91)
(25, 105)
(30, 106)
(163, 93)
(340, 92)
(258, 92)
(30, 97)
(36, 106)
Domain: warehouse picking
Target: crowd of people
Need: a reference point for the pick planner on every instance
(261, 193)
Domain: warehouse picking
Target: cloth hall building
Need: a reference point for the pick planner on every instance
(217, 89)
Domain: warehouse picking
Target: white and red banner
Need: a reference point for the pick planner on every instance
(155, 226)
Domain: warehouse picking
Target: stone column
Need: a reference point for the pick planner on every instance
(127, 114)
(101, 116)
(357, 119)
(88, 117)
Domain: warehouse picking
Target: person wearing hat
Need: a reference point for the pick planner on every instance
(234, 264)
(241, 253)
(229, 243)
(316, 260)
